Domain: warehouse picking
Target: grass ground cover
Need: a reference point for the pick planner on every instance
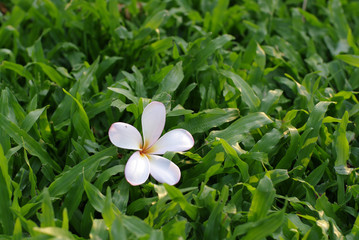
(268, 89)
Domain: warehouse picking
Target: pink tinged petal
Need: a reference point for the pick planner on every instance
(124, 135)
(153, 122)
(163, 170)
(177, 140)
(137, 169)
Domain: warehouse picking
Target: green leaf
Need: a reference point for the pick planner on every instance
(214, 227)
(235, 132)
(155, 21)
(4, 109)
(47, 216)
(136, 226)
(31, 118)
(178, 197)
(268, 142)
(156, 234)
(4, 167)
(125, 93)
(73, 197)
(269, 102)
(17, 234)
(292, 150)
(53, 74)
(265, 226)
(248, 95)
(243, 166)
(338, 18)
(19, 69)
(118, 230)
(219, 16)
(184, 95)
(355, 230)
(55, 232)
(65, 220)
(80, 120)
(350, 59)
(195, 62)
(172, 80)
(121, 195)
(313, 179)
(175, 229)
(63, 183)
(6, 217)
(278, 175)
(316, 175)
(207, 119)
(62, 113)
(32, 176)
(99, 229)
(105, 175)
(161, 45)
(262, 200)
(249, 54)
(309, 138)
(341, 145)
(96, 198)
(213, 170)
(108, 214)
(26, 141)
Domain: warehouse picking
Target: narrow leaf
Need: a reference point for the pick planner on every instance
(19, 69)
(25, 140)
(209, 118)
(6, 217)
(63, 183)
(53, 74)
(350, 59)
(81, 121)
(31, 118)
(172, 80)
(249, 97)
(262, 200)
(178, 197)
(96, 198)
(235, 132)
(47, 216)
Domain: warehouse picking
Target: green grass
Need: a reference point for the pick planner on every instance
(270, 97)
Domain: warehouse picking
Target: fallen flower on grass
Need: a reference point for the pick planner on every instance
(145, 160)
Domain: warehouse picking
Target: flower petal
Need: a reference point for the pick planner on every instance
(126, 136)
(177, 140)
(153, 122)
(163, 170)
(137, 169)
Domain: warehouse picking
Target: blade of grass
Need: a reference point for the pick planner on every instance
(31, 118)
(63, 183)
(262, 200)
(207, 119)
(80, 120)
(341, 147)
(6, 216)
(234, 132)
(25, 140)
(249, 97)
(47, 217)
(178, 197)
(19, 69)
(53, 74)
(172, 80)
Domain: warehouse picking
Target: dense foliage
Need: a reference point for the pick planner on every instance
(267, 88)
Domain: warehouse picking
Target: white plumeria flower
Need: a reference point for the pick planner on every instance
(145, 160)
